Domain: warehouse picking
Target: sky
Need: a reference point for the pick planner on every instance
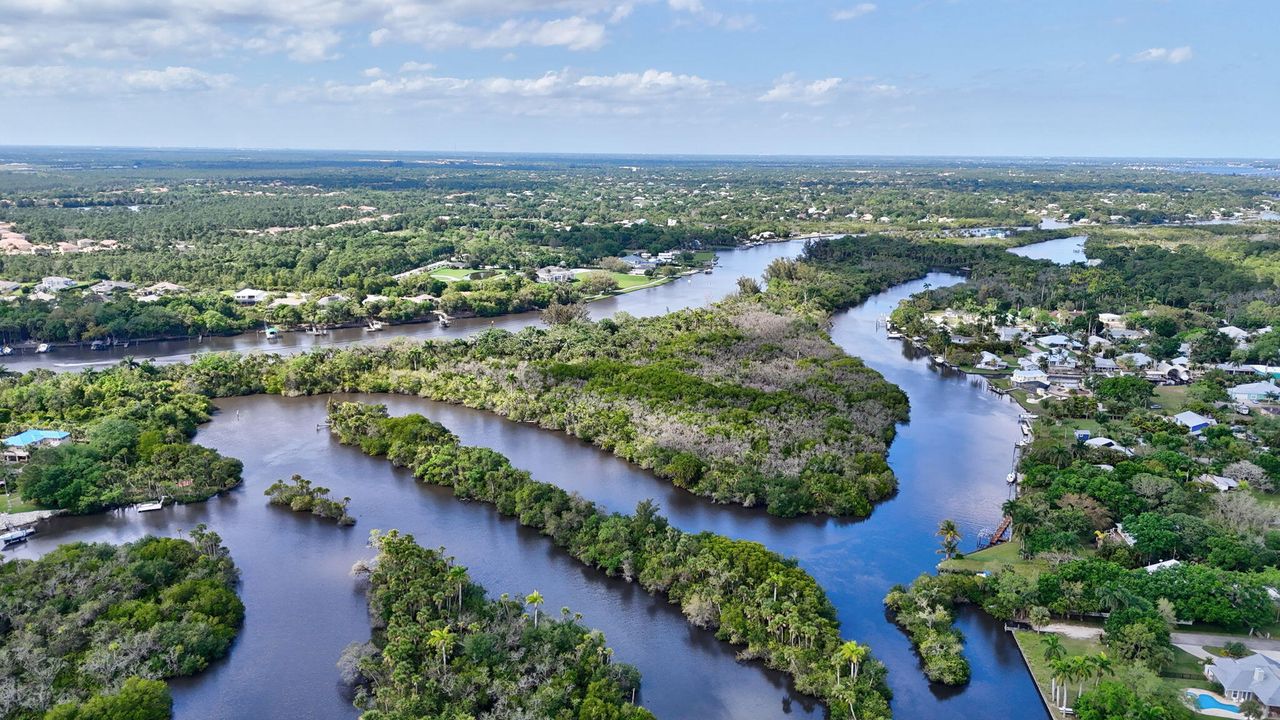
(1095, 78)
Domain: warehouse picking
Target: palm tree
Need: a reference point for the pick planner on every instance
(1053, 649)
(535, 599)
(458, 575)
(853, 653)
(950, 535)
(442, 639)
(1102, 666)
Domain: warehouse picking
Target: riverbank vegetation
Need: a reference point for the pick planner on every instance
(752, 598)
(88, 628)
(442, 649)
(300, 495)
(130, 438)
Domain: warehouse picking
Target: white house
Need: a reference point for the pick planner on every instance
(1195, 422)
(1030, 376)
(1052, 341)
(1111, 321)
(55, 284)
(1223, 484)
(1136, 359)
(1255, 392)
(991, 361)
(107, 287)
(1107, 444)
(555, 275)
(251, 296)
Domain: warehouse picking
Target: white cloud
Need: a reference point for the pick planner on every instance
(854, 12)
(66, 80)
(1173, 56)
(414, 66)
(789, 89)
(550, 93)
(173, 79)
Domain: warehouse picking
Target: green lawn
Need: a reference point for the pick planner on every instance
(994, 558)
(1033, 651)
(458, 274)
(14, 504)
(1069, 427)
(704, 256)
(1172, 398)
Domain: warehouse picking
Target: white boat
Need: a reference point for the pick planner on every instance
(6, 350)
(1011, 478)
(16, 536)
(940, 360)
(42, 348)
(374, 326)
(316, 330)
(894, 335)
(272, 333)
(151, 506)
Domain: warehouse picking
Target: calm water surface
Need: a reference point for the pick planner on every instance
(303, 608)
(1062, 251)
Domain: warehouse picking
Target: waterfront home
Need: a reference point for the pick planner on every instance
(17, 448)
(1009, 334)
(991, 361)
(1223, 484)
(1195, 423)
(250, 296)
(1256, 676)
(1255, 392)
(1104, 443)
(638, 263)
(371, 299)
(1026, 375)
(555, 274)
(331, 299)
(56, 284)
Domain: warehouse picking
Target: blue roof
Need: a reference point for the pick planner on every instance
(31, 437)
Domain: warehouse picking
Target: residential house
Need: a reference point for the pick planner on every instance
(1255, 392)
(251, 296)
(17, 448)
(1111, 321)
(1163, 565)
(1054, 341)
(292, 299)
(1124, 334)
(1223, 484)
(1009, 334)
(1098, 341)
(1107, 444)
(1135, 360)
(1256, 676)
(991, 361)
(1239, 335)
(1037, 375)
(1106, 366)
(8, 286)
(164, 288)
(554, 274)
(1194, 422)
(331, 299)
(109, 287)
(56, 284)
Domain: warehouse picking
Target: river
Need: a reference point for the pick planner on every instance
(683, 292)
(303, 608)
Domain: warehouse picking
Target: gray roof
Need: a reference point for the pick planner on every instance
(1257, 674)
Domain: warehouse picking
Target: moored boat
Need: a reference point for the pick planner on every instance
(16, 536)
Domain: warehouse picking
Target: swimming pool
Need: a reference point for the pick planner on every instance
(1204, 701)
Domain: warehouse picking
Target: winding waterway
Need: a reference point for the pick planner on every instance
(303, 608)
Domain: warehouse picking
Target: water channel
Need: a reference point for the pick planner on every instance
(303, 607)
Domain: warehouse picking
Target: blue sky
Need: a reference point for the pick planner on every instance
(916, 77)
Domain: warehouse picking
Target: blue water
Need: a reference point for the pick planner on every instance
(1208, 702)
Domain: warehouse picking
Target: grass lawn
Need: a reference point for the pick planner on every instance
(1069, 427)
(994, 558)
(1172, 398)
(14, 504)
(704, 256)
(458, 274)
(1033, 652)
